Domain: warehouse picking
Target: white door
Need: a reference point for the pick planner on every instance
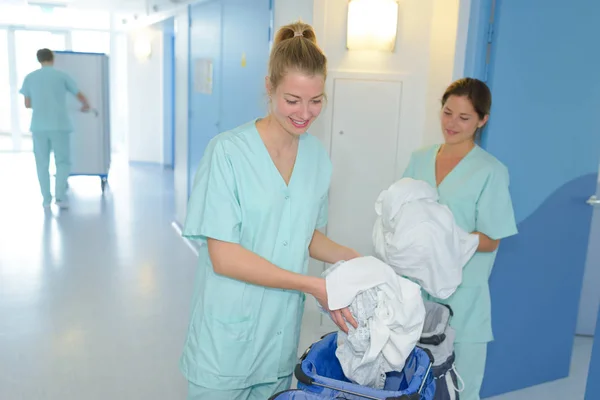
(590, 292)
(364, 141)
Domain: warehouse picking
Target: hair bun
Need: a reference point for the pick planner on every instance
(295, 48)
(295, 30)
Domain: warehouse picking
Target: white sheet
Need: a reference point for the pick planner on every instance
(390, 313)
(419, 238)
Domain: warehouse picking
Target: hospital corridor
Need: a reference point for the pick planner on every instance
(299, 200)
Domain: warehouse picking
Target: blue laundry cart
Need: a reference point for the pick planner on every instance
(296, 394)
(320, 376)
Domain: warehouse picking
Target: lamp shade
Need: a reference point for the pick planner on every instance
(372, 24)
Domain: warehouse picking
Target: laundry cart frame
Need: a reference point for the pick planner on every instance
(91, 136)
(419, 386)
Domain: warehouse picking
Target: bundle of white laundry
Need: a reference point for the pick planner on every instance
(418, 237)
(389, 310)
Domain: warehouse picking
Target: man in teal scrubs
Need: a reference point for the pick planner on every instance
(45, 92)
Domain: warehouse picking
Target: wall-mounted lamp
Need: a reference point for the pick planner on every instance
(142, 47)
(372, 24)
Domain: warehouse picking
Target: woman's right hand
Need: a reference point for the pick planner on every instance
(340, 317)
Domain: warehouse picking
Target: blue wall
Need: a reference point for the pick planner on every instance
(223, 31)
(543, 126)
(204, 108)
(477, 39)
(168, 27)
(244, 95)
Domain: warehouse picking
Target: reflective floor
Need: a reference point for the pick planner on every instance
(7, 144)
(570, 388)
(94, 300)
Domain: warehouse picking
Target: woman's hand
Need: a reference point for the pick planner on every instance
(340, 317)
(486, 244)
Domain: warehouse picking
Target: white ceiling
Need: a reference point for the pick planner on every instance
(127, 14)
(119, 6)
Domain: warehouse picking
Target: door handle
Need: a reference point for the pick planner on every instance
(593, 201)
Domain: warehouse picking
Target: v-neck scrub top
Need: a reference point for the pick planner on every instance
(477, 193)
(241, 334)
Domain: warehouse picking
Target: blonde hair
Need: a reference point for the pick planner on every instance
(296, 48)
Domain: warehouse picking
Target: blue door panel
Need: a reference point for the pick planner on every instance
(245, 58)
(544, 78)
(234, 35)
(205, 44)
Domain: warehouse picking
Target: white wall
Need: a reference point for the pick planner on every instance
(424, 54)
(287, 11)
(119, 97)
(145, 93)
(181, 114)
(442, 49)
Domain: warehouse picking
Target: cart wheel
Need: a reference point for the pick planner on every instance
(103, 182)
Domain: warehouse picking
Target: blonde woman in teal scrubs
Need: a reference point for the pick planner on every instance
(259, 196)
(475, 186)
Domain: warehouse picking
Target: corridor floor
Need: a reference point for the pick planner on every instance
(94, 300)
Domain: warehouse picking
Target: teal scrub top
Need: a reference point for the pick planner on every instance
(47, 88)
(241, 334)
(477, 193)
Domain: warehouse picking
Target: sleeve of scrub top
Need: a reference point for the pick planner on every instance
(323, 212)
(25, 88)
(495, 214)
(71, 85)
(214, 209)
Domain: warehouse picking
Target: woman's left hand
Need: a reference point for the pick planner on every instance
(340, 317)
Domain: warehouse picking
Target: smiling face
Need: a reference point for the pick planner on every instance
(297, 101)
(459, 120)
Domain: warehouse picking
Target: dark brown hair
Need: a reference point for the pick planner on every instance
(295, 48)
(477, 92)
(45, 55)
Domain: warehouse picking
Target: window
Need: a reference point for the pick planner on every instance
(49, 16)
(5, 107)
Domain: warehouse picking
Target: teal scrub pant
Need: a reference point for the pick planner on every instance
(258, 392)
(59, 142)
(470, 365)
